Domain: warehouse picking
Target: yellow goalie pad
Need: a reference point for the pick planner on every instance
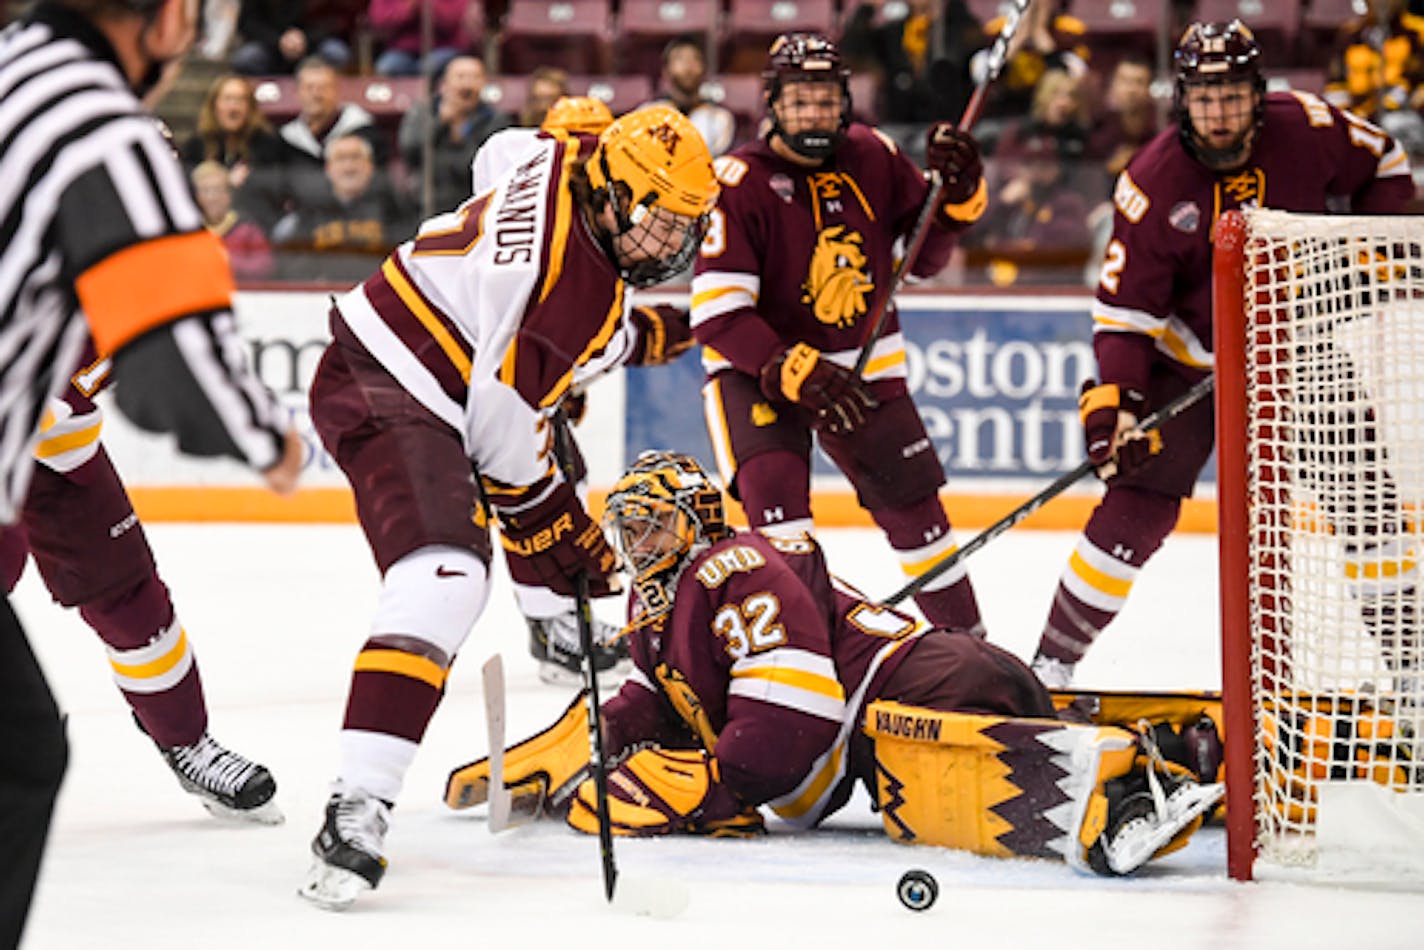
(544, 766)
(994, 785)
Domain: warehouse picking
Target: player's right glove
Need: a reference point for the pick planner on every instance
(556, 537)
(1110, 413)
(837, 397)
(661, 792)
(955, 155)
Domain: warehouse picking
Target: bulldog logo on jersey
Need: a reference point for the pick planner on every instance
(838, 285)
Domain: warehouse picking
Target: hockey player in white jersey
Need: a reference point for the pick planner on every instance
(458, 351)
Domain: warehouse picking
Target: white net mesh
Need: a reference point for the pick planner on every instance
(1335, 489)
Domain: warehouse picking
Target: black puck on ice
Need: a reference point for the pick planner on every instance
(917, 889)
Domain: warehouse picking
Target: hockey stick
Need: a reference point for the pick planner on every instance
(1156, 420)
(563, 453)
(998, 55)
(499, 800)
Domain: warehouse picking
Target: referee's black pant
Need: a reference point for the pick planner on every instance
(33, 755)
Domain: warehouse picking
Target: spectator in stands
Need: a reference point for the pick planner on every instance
(1129, 117)
(1047, 39)
(277, 35)
(247, 246)
(1036, 229)
(397, 25)
(232, 131)
(323, 117)
(1059, 110)
(1377, 70)
(919, 53)
(547, 85)
(358, 218)
(463, 120)
(684, 72)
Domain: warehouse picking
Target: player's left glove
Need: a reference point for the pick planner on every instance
(1110, 413)
(955, 155)
(664, 334)
(835, 396)
(662, 792)
(558, 540)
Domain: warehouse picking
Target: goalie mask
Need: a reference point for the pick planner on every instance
(661, 514)
(653, 169)
(810, 59)
(1221, 93)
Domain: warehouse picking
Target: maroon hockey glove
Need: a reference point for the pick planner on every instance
(556, 537)
(664, 334)
(955, 155)
(1109, 413)
(835, 396)
(662, 792)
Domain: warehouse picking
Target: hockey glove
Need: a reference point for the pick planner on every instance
(540, 772)
(557, 539)
(955, 155)
(1110, 413)
(834, 395)
(664, 334)
(662, 792)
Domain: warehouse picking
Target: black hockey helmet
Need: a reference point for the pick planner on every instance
(806, 57)
(1217, 54)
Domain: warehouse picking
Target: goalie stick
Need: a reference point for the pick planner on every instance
(997, 56)
(1156, 420)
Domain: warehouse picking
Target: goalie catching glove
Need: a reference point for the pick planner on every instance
(662, 792)
(965, 194)
(1110, 414)
(837, 397)
(556, 538)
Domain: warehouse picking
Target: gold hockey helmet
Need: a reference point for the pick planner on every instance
(584, 114)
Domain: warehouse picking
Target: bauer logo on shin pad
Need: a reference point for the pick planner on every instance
(994, 785)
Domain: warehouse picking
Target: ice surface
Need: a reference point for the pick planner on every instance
(276, 614)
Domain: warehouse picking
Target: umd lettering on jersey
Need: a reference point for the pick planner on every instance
(1131, 201)
(725, 563)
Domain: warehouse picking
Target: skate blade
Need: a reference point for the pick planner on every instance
(552, 674)
(332, 888)
(266, 813)
(1129, 858)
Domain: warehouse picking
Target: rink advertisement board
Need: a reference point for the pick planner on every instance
(996, 380)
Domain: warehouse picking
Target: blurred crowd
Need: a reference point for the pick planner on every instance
(334, 126)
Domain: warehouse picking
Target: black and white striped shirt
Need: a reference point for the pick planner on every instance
(99, 234)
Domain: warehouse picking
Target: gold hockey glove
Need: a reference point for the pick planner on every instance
(662, 792)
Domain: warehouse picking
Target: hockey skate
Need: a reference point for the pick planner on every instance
(229, 785)
(1148, 810)
(1053, 674)
(346, 853)
(554, 643)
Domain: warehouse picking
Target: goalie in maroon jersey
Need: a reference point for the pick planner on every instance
(760, 680)
(1232, 146)
(800, 245)
(81, 530)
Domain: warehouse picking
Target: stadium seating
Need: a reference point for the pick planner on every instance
(1275, 24)
(507, 93)
(646, 26)
(1302, 80)
(1116, 28)
(386, 97)
(574, 35)
(1320, 21)
(753, 24)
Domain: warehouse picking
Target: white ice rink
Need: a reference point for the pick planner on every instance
(276, 615)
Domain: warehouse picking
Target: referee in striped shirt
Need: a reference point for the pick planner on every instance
(100, 237)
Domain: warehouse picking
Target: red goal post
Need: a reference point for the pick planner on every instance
(1319, 349)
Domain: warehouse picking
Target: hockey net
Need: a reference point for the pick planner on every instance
(1320, 421)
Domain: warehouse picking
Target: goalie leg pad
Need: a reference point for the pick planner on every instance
(546, 766)
(993, 785)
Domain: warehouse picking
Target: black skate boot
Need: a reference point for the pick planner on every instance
(347, 854)
(554, 642)
(229, 785)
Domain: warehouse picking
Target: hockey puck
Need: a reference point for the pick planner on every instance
(917, 889)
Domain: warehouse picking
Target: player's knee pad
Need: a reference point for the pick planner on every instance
(435, 594)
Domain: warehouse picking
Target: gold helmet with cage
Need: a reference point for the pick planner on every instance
(654, 170)
(584, 114)
(662, 513)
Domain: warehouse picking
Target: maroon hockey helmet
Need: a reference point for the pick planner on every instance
(1217, 54)
(806, 57)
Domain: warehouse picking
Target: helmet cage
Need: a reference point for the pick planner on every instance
(806, 57)
(1213, 54)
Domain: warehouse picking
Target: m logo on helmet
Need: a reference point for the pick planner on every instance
(667, 136)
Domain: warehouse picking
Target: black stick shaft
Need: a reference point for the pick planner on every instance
(1061, 484)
